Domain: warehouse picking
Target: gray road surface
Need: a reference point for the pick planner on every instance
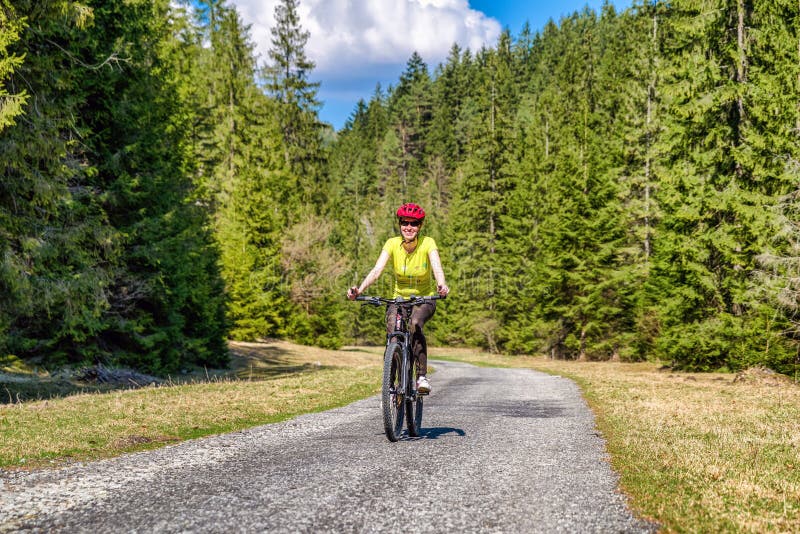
(503, 450)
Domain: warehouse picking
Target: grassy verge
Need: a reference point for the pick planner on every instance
(696, 452)
(269, 383)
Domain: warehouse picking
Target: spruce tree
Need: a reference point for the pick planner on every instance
(314, 318)
(716, 193)
(238, 155)
(11, 103)
(10, 106)
(58, 250)
(478, 206)
(629, 89)
(777, 283)
(404, 146)
(356, 203)
(775, 152)
(448, 97)
(565, 220)
(287, 76)
(166, 299)
(527, 324)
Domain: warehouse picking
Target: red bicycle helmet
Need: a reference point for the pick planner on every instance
(411, 211)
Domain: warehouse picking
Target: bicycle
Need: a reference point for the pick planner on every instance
(399, 396)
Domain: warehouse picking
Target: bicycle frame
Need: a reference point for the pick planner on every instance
(404, 334)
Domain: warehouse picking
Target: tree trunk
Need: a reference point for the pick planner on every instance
(547, 137)
(582, 354)
(741, 76)
(651, 90)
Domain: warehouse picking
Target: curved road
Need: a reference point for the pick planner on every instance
(503, 450)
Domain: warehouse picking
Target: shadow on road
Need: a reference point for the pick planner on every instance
(436, 433)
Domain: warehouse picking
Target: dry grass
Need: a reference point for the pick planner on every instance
(271, 382)
(699, 452)
(696, 452)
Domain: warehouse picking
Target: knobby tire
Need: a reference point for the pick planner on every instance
(392, 400)
(413, 407)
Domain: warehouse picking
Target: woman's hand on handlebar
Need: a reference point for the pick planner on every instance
(352, 293)
(443, 290)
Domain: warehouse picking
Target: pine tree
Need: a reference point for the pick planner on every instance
(166, 299)
(775, 139)
(237, 145)
(288, 82)
(479, 192)
(57, 247)
(716, 192)
(10, 103)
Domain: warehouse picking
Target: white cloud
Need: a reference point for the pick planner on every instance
(351, 37)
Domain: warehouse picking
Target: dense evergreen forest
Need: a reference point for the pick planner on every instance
(615, 185)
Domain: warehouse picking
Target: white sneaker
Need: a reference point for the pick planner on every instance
(423, 386)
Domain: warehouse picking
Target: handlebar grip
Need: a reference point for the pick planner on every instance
(375, 301)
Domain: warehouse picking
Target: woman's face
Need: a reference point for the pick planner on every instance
(409, 228)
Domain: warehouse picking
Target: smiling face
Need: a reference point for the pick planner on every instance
(409, 228)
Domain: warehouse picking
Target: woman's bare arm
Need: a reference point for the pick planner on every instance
(373, 275)
(438, 272)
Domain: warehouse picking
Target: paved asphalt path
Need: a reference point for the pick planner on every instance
(503, 450)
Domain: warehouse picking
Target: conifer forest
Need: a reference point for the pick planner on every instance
(617, 184)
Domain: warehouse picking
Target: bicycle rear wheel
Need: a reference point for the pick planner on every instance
(414, 417)
(392, 398)
(413, 407)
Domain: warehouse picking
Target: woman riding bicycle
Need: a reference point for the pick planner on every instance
(417, 272)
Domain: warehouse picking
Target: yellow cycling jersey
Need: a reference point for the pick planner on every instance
(412, 272)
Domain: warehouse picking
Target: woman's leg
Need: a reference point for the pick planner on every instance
(391, 318)
(419, 346)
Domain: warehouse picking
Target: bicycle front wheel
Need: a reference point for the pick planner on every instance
(392, 397)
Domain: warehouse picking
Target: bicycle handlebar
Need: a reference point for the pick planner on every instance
(399, 301)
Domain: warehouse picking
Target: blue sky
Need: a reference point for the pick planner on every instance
(357, 44)
(513, 14)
